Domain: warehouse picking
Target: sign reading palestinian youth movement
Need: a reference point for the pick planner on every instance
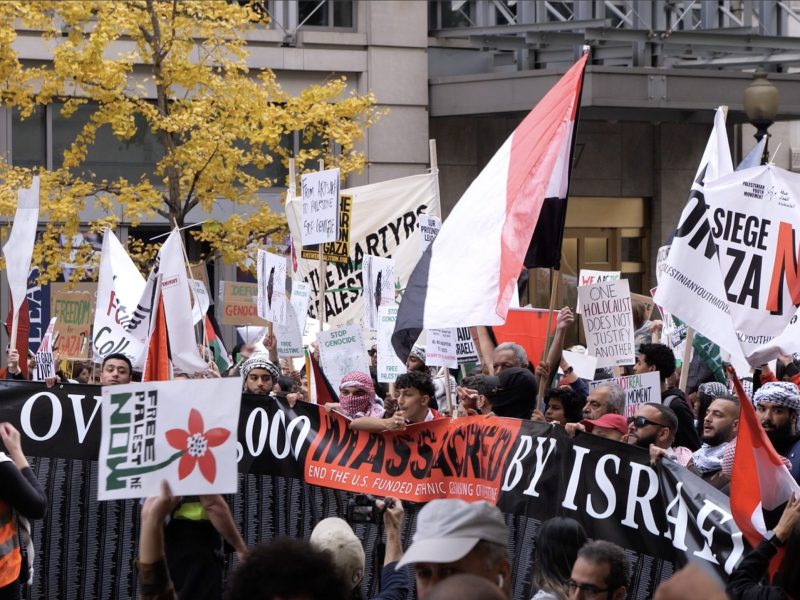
(589, 276)
(608, 323)
(45, 361)
(663, 515)
(429, 226)
(378, 287)
(338, 251)
(239, 303)
(341, 351)
(639, 389)
(74, 308)
(290, 335)
(177, 431)
(271, 302)
(389, 364)
(383, 223)
(465, 347)
(440, 350)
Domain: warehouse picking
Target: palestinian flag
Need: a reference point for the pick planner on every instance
(468, 274)
(214, 336)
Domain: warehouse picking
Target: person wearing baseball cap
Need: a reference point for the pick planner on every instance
(454, 536)
(610, 426)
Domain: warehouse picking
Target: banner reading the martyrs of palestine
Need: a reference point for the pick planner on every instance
(524, 467)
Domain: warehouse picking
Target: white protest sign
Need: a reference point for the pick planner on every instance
(583, 364)
(320, 194)
(271, 275)
(608, 323)
(290, 335)
(588, 277)
(341, 350)
(440, 350)
(465, 347)
(639, 389)
(201, 300)
(174, 430)
(45, 362)
(378, 287)
(389, 364)
(429, 226)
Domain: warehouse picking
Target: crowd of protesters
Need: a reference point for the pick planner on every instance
(460, 549)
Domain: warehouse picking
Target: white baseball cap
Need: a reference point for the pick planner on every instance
(336, 535)
(448, 529)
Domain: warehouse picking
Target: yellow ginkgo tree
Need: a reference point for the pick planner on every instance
(178, 68)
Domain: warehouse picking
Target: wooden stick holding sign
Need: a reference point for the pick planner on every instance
(688, 351)
(323, 269)
(555, 275)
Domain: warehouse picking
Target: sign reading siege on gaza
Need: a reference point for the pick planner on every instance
(338, 251)
(744, 278)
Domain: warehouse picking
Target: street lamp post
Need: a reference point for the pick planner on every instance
(760, 101)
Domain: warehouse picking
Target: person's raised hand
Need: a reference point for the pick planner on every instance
(156, 508)
(565, 318)
(392, 512)
(789, 518)
(538, 416)
(10, 438)
(543, 371)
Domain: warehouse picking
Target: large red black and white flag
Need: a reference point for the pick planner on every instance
(467, 275)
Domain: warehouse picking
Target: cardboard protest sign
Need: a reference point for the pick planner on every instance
(608, 323)
(174, 430)
(584, 365)
(465, 347)
(429, 226)
(389, 364)
(378, 287)
(338, 251)
(440, 349)
(199, 270)
(239, 303)
(200, 299)
(271, 287)
(320, 202)
(528, 328)
(74, 308)
(639, 389)
(341, 351)
(290, 335)
(45, 361)
(589, 276)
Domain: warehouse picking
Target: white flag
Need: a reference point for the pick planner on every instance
(271, 287)
(19, 247)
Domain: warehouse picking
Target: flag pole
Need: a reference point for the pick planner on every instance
(555, 275)
(12, 345)
(448, 391)
(321, 273)
(191, 289)
(687, 358)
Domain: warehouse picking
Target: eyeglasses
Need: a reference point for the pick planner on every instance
(589, 590)
(639, 422)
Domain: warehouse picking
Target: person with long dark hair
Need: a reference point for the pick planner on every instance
(557, 543)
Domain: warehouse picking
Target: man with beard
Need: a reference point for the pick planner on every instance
(719, 428)
(653, 427)
(778, 406)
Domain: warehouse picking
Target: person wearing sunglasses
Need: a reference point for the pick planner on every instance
(653, 426)
(601, 572)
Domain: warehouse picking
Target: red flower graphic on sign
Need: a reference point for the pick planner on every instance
(196, 445)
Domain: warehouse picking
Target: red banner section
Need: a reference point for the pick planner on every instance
(459, 458)
(526, 327)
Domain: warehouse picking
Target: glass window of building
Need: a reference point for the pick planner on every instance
(326, 13)
(29, 139)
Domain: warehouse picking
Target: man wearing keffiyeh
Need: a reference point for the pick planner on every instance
(260, 374)
(778, 406)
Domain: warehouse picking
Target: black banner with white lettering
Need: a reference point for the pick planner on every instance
(663, 515)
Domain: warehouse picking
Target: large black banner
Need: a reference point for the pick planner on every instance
(662, 515)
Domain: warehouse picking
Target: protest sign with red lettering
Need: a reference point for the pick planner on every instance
(74, 308)
(239, 303)
(608, 322)
(589, 276)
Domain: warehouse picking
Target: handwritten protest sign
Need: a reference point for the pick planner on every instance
(429, 226)
(74, 308)
(440, 350)
(320, 193)
(45, 361)
(174, 430)
(589, 276)
(465, 347)
(338, 251)
(378, 287)
(271, 287)
(290, 334)
(389, 364)
(608, 323)
(239, 303)
(639, 389)
(341, 351)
